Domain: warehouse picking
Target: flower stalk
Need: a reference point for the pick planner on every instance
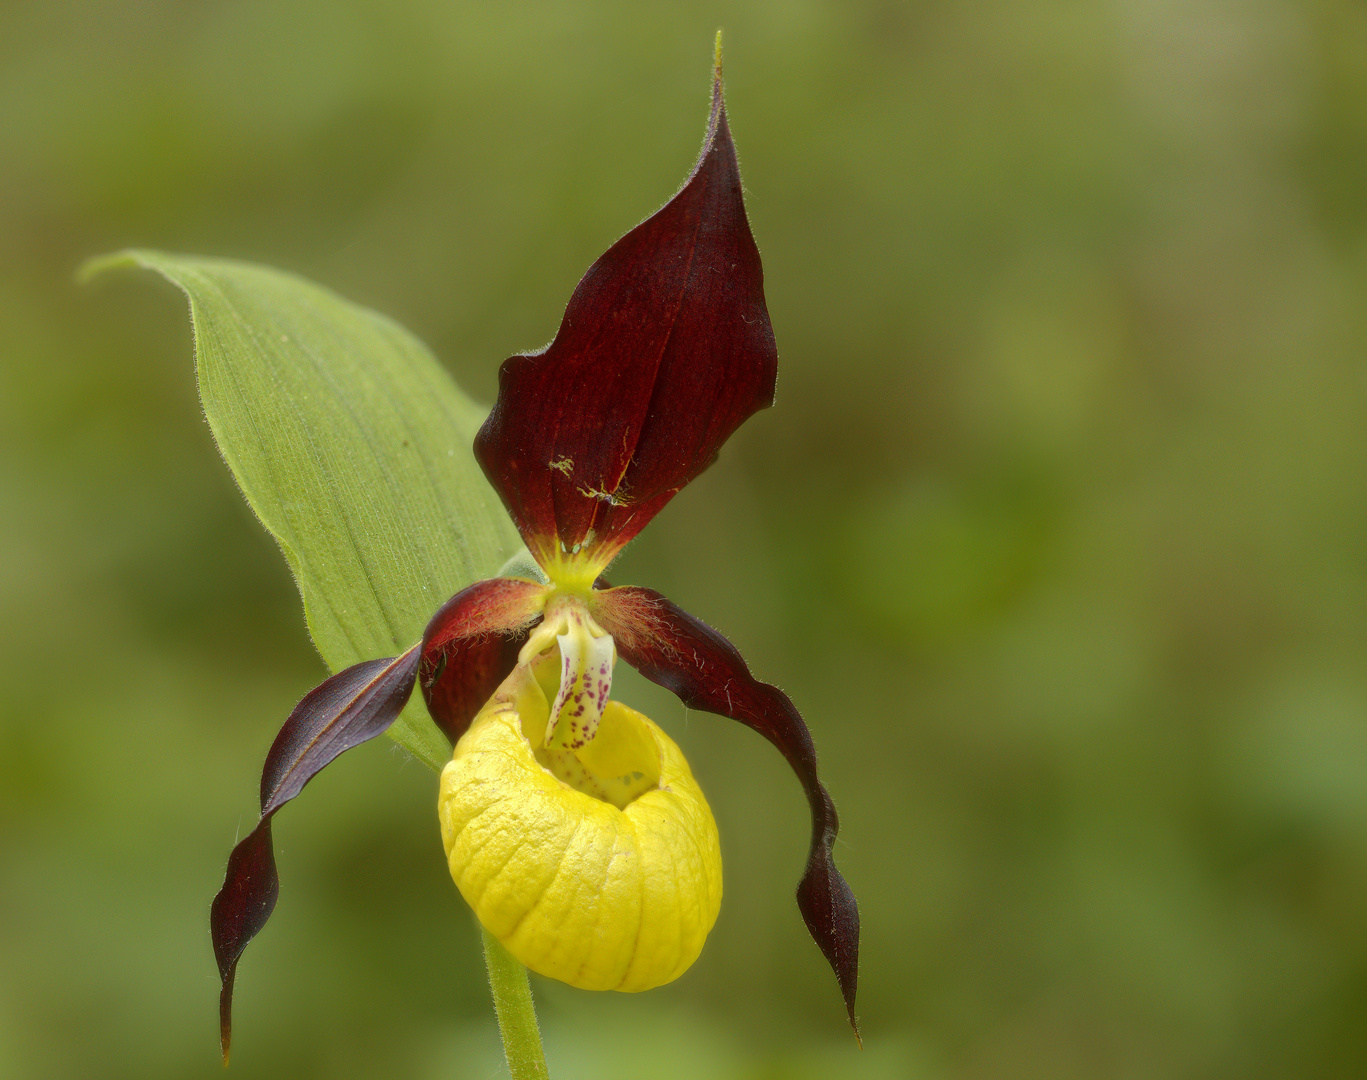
(512, 991)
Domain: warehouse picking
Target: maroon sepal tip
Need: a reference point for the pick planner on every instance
(706, 672)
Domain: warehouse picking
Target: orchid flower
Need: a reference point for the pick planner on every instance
(572, 824)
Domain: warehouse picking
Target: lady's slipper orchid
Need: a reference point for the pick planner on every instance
(572, 824)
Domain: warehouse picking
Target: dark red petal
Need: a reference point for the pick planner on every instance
(664, 350)
(495, 606)
(462, 675)
(670, 647)
(348, 709)
(471, 645)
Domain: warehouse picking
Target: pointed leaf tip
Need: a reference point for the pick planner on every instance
(687, 657)
(664, 350)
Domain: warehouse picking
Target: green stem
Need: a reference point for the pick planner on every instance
(516, 1013)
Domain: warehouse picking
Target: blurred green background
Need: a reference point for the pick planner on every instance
(1058, 533)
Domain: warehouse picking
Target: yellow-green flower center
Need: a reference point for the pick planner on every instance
(574, 672)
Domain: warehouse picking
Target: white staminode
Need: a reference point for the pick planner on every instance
(587, 654)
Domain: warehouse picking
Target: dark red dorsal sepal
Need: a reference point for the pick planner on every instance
(664, 350)
(706, 672)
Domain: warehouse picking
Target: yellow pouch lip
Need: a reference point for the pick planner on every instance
(575, 888)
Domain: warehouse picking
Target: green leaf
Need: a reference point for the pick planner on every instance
(353, 446)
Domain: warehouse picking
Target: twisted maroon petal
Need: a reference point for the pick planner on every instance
(664, 350)
(348, 709)
(471, 645)
(672, 648)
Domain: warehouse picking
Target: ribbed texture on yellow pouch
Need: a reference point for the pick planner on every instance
(599, 897)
